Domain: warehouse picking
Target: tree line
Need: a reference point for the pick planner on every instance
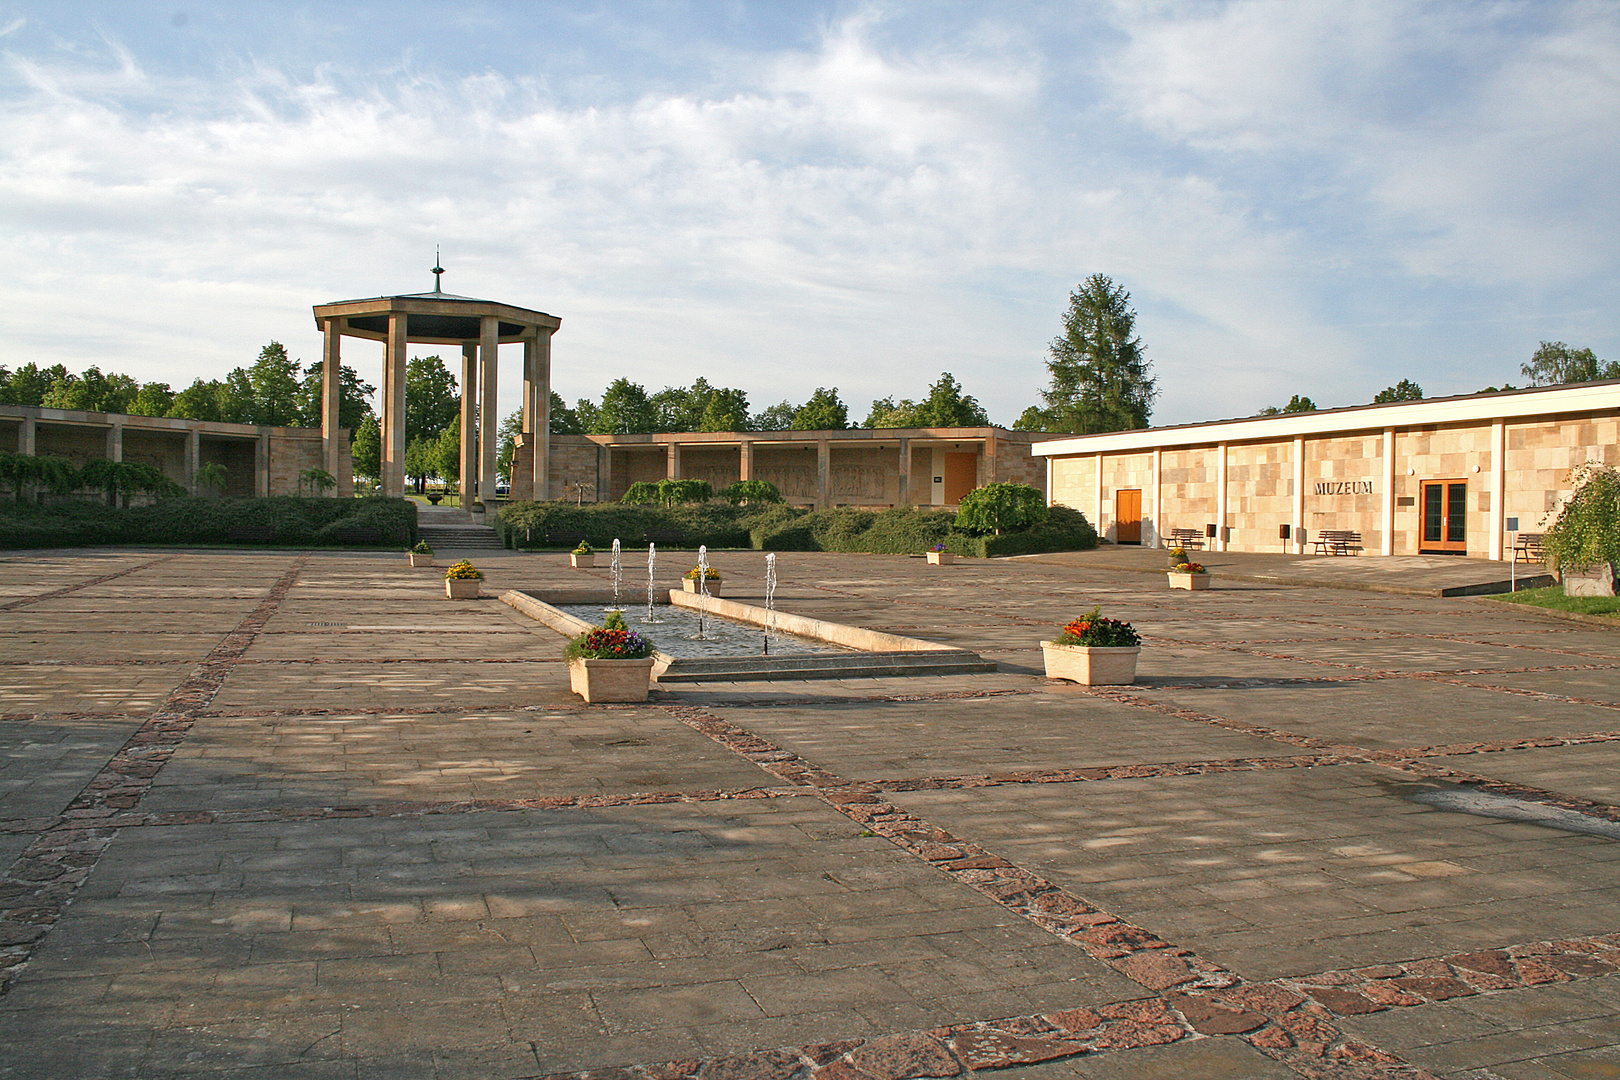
(275, 390)
(1553, 364)
(1100, 380)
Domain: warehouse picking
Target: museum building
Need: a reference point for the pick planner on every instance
(1444, 476)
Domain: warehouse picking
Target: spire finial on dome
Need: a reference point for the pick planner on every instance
(438, 270)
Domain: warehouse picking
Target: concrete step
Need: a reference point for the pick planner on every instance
(839, 666)
(477, 537)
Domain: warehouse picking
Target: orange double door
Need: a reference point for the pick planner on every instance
(1445, 517)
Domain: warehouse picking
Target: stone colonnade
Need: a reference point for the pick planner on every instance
(853, 467)
(260, 460)
(480, 327)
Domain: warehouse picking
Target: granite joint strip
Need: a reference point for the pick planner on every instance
(1289, 1020)
(24, 601)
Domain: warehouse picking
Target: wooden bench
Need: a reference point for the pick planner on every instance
(1338, 542)
(1529, 546)
(1185, 538)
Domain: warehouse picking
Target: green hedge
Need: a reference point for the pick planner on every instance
(902, 531)
(282, 521)
(525, 524)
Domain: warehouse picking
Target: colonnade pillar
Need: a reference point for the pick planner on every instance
(261, 464)
(823, 474)
(489, 420)
(115, 442)
(537, 408)
(27, 435)
(1299, 495)
(393, 411)
(672, 461)
(1220, 501)
(903, 487)
(1097, 519)
(1498, 485)
(1153, 535)
(1387, 544)
(331, 391)
(745, 460)
(469, 424)
(194, 459)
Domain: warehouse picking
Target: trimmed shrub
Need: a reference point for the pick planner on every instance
(999, 508)
(778, 527)
(641, 493)
(750, 492)
(283, 521)
(526, 524)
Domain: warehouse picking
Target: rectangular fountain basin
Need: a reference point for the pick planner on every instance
(866, 653)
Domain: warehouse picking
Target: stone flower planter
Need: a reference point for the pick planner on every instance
(1195, 582)
(1593, 581)
(690, 585)
(461, 588)
(578, 561)
(610, 680)
(1091, 666)
(941, 558)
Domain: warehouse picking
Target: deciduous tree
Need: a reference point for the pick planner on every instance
(366, 449)
(431, 399)
(823, 412)
(1555, 363)
(1405, 390)
(625, 410)
(275, 391)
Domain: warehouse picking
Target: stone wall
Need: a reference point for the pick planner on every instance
(792, 471)
(864, 476)
(1260, 479)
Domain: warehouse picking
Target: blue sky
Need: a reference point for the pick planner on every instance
(1310, 198)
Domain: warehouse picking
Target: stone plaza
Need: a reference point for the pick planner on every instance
(277, 814)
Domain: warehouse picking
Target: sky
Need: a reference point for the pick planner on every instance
(1301, 197)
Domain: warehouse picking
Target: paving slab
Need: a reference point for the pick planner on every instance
(313, 684)
(986, 736)
(1290, 872)
(45, 763)
(54, 688)
(1384, 714)
(284, 760)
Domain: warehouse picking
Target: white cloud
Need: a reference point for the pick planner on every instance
(867, 212)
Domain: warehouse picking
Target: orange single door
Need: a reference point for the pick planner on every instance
(961, 475)
(1128, 516)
